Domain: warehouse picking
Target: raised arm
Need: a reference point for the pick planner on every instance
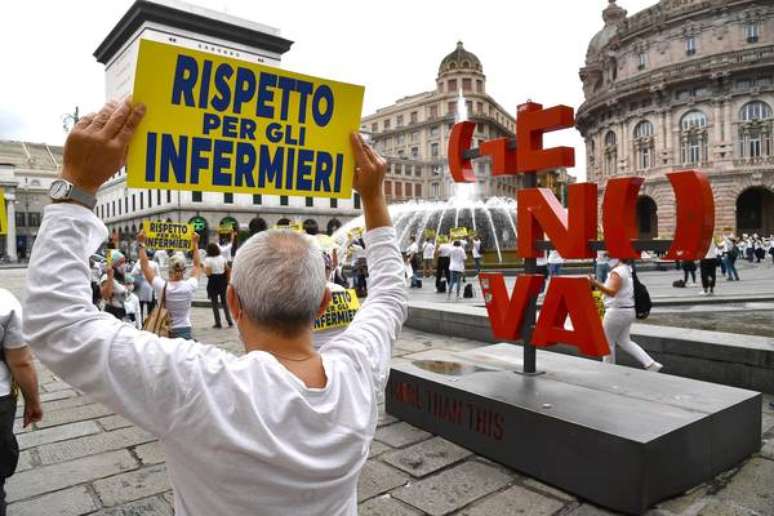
(197, 259)
(376, 326)
(145, 265)
(137, 374)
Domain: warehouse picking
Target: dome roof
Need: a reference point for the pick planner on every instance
(460, 59)
(612, 15)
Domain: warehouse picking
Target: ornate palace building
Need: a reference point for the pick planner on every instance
(413, 133)
(685, 84)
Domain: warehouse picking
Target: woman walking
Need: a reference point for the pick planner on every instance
(620, 315)
(708, 266)
(216, 268)
(176, 293)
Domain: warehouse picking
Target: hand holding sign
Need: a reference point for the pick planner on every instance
(96, 147)
(370, 169)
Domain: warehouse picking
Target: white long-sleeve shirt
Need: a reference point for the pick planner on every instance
(242, 435)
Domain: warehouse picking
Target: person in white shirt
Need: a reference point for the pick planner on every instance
(428, 253)
(442, 269)
(281, 430)
(476, 252)
(16, 365)
(144, 290)
(620, 314)
(177, 293)
(555, 262)
(113, 284)
(456, 267)
(412, 255)
(217, 270)
(132, 307)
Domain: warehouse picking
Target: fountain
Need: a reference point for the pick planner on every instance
(493, 220)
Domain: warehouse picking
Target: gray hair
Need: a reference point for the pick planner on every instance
(176, 264)
(279, 277)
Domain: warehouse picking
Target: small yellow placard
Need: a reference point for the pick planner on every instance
(293, 226)
(175, 236)
(457, 233)
(340, 312)
(220, 124)
(442, 239)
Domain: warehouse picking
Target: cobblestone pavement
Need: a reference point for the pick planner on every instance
(82, 459)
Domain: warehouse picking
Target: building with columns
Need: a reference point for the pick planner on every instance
(174, 22)
(26, 172)
(685, 84)
(413, 133)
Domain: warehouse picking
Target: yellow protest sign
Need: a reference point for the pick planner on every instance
(356, 232)
(3, 214)
(442, 239)
(429, 234)
(220, 124)
(457, 233)
(293, 226)
(340, 312)
(168, 235)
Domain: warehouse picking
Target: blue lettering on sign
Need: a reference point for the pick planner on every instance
(204, 89)
(176, 158)
(222, 74)
(323, 93)
(245, 164)
(322, 180)
(268, 169)
(265, 95)
(199, 162)
(304, 176)
(150, 157)
(221, 160)
(186, 73)
(245, 88)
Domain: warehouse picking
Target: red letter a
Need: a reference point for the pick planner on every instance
(571, 296)
(506, 315)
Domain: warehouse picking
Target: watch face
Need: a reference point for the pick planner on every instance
(59, 189)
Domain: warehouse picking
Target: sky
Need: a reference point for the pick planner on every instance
(529, 50)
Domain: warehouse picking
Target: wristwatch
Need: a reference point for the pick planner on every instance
(63, 190)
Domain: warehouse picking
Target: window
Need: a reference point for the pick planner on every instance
(309, 201)
(398, 189)
(751, 32)
(642, 61)
(756, 110)
(142, 201)
(158, 197)
(418, 190)
(413, 117)
(33, 219)
(433, 111)
(643, 145)
(357, 201)
(388, 188)
(434, 150)
(169, 196)
(693, 120)
(414, 152)
(417, 171)
(408, 189)
(150, 200)
(480, 108)
(467, 84)
(415, 136)
(386, 124)
(283, 200)
(21, 219)
(228, 198)
(334, 203)
(374, 127)
(397, 169)
(399, 139)
(195, 197)
(693, 137)
(690, 45)
(452, 84)
(399, 122)
(126, 204)
(436, 187)
(434, 131)
(451, 108)
(113, 208)
(479, 86)
(134, 204)
(257, 199)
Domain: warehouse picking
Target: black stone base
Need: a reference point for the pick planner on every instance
(619, 437)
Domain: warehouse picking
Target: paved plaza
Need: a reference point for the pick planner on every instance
(83, 459)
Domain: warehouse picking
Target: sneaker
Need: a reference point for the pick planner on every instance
(702, 292)
(655, 367)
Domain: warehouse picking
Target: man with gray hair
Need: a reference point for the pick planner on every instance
(281, 430)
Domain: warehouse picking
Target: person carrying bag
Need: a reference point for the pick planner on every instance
(158, 321)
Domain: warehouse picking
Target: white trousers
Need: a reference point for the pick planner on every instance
(617, 324)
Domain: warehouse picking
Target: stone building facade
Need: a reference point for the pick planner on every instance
(413, 133)
(26, 172)
(685, 84)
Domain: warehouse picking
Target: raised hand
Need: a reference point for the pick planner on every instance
(96, 147)
(370, 169)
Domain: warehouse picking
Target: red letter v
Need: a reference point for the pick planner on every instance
(507, 315)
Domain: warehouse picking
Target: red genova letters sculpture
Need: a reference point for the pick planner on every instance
(571, 230)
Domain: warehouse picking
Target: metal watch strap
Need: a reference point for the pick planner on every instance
(82, 197)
